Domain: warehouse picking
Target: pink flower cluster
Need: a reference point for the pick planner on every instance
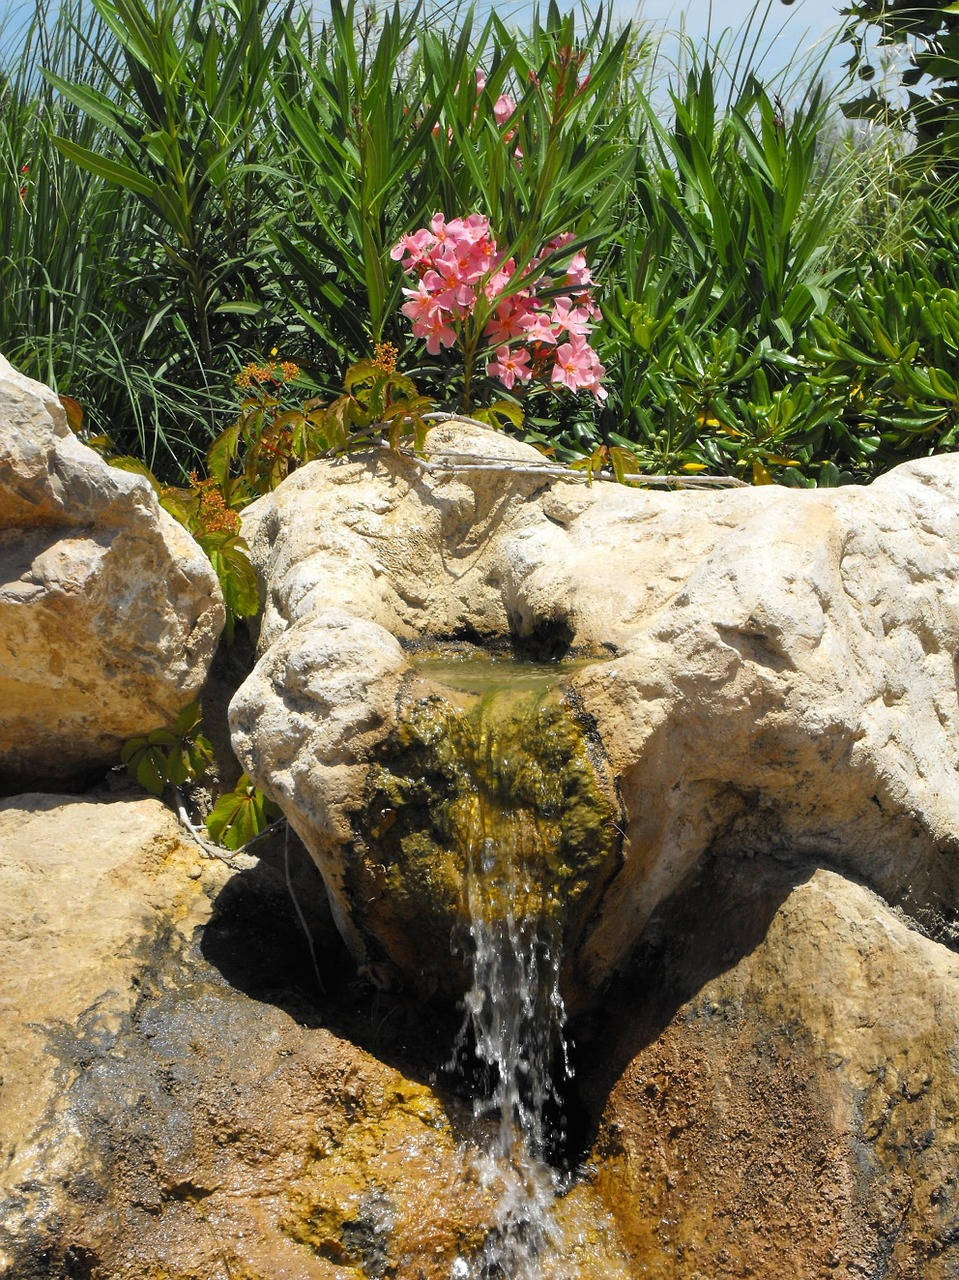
(503, 107)
(457, 262)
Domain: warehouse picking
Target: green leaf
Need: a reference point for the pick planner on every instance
(111, 170)
(136, 467)
(500, 412)
(221, 454)
(147, 764)
(188, 719)
(240, 815)
(230, 557)
(239, 308)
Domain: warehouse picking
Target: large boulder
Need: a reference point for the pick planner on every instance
(779, 1086)
(774, 669)
(109, 611)
(178, 1097)
(772, 1088)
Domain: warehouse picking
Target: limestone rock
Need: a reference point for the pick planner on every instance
(775, 668)
(773, 1085)
(779, 1087)
(179, 1100)
(109, 611)
(78, 880)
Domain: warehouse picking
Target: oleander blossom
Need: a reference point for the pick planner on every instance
(533, 331)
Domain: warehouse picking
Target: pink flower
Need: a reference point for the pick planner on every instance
(448, 287)
(499, 279)
(510, 319)
(510, 365)
(574, 319)
(578, 273)
(557, 243)
(436, 331)
(461, 230)
(503, 108)
(577, 367)
(453, 261)
(539, 329)
(415, 246)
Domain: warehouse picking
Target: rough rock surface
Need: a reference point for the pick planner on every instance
(178, 1099)
(772, 1089)
(109, 611)
(82, 884)
(775, 667)
(784, 1079)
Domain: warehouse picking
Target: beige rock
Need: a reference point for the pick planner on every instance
(775, 667)
(774, 1083)
(783, 1081)
(176, 1104)
(109, 611)
(82, 887)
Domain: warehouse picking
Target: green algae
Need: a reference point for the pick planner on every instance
(489, 757)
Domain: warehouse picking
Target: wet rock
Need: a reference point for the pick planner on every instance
(774, 667)
(773, 1084)
(501, 792)
(179, 1098)
(86, 889)
(109, 611)
(784, 1086)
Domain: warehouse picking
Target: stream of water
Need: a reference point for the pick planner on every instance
(514, 1028)
(514, 1019)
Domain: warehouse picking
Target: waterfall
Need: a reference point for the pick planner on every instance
(488, 818)
(514, 1012)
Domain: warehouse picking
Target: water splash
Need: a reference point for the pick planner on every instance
(514, 1013)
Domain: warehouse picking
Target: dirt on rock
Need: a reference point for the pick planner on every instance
(782, 1075)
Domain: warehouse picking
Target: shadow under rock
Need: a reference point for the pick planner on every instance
(256, 941)
(700, 933)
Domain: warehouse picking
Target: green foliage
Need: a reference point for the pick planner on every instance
(888, 358)
(240, 814)
(564, 159)
(184, 185)
(276, 432)
(389, 126)
(169, 757)
(180, 115)
(86, 302)
(358, 120)
(723, 269)
(923, 40)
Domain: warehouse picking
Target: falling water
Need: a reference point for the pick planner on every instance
(515, 1017)
(490, 817)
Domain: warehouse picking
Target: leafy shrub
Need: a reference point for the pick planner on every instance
(169, 757)
(888, 356)
(240, 815)
(187, 185)
(276, 432)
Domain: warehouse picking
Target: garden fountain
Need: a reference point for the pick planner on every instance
(509, 815)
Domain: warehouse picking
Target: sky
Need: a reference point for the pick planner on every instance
(789, 31)
(814, 16)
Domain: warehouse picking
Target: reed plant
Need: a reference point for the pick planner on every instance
(79, 260)
(188, 188)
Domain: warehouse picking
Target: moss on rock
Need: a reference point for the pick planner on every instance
(504, 784)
